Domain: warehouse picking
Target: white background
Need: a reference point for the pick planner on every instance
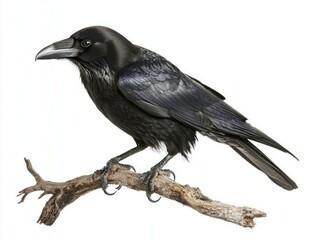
(262, 55)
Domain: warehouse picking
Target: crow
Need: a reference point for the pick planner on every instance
(150, 99)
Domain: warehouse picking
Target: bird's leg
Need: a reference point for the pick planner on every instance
(106, 169)
(154, 172)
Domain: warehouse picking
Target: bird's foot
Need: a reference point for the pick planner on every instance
(149, 178)
(106, 171)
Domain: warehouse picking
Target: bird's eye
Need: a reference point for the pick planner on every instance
(86, 43)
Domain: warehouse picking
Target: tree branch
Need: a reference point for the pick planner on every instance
(67, 192)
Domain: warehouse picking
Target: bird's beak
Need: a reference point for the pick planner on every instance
(62, 49)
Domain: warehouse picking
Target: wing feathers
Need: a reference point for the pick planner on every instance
(162, 90)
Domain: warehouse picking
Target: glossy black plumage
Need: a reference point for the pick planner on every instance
(153, 101)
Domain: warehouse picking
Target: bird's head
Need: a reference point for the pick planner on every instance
(93, 44)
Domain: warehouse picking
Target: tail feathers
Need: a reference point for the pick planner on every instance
(259, 160)
(264, 139)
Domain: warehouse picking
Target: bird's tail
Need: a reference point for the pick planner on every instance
(259, 160)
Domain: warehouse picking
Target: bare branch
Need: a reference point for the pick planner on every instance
(67, 192)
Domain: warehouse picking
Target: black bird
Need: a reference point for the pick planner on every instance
(150, 99)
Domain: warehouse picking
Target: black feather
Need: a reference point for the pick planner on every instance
(259, 160)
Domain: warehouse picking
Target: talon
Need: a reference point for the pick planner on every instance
(174, 176)
(107, 193)
(149, 178)
(129, 167)
(148, 195)
(105, 172)
(168, 173)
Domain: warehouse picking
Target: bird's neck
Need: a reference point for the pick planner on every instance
(98, 78)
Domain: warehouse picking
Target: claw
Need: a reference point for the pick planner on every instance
(106, 171)
(107, 193)
(104, 181)
(148, 195)
(149, 181)
(168, 173)
(129, 167)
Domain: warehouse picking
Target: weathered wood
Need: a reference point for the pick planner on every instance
(67, 192)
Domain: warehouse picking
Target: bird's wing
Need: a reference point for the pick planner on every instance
(162, 90)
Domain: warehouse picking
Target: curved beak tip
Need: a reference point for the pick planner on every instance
(57, 50)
